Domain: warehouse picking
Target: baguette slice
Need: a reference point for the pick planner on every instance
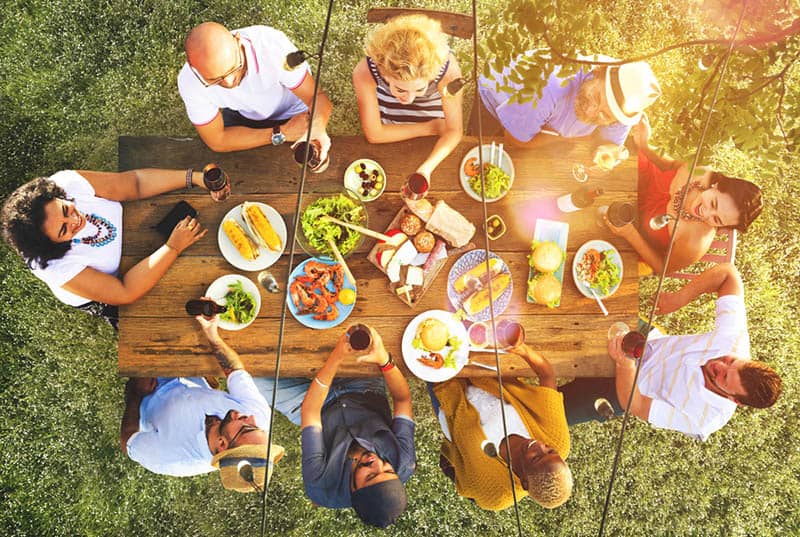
(450, 225)
(480, 300)
(240, 239)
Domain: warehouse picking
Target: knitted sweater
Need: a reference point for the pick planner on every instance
(482, 478)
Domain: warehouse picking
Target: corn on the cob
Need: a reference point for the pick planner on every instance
(477, 273)
(480, 300)
(258, 224)
(243, 243)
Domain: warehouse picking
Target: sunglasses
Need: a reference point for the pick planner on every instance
(245, 428)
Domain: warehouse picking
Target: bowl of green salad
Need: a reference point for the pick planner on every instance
(314, 232)
(498, 173)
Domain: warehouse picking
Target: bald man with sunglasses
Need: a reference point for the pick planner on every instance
(239, 93)
(183, 427)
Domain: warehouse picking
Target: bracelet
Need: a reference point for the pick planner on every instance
(189, 184)
(326, 386)
(388, 366)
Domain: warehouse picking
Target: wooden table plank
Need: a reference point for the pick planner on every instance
(576, 346)
(158, 338)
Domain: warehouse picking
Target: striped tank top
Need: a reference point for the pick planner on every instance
(424, 108)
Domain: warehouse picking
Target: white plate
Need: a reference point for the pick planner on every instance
(219, 288)
(410, 354)
(267, 257)
(308, 319)
(505, 163)
(352, 181)
(599, 246)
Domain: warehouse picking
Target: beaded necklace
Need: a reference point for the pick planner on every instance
(676, 201)
(102, 225)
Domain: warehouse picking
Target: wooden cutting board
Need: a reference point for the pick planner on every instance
(429, 276)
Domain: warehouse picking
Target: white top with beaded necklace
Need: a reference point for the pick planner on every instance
(98, 245)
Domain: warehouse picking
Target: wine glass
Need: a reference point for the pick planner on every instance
(579, 173)
(618, 329)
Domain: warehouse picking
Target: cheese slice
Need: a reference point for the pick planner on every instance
(406, 253)
(403, 289)
(414, 276)
(393, 269)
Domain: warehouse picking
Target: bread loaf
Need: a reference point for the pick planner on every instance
(450, 225)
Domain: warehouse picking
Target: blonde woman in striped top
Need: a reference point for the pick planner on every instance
(400, 86)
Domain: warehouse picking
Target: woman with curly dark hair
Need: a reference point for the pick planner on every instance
(714, 201)
(68, 229)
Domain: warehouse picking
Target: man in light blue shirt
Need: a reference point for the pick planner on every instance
(607, 99)
(183, 427)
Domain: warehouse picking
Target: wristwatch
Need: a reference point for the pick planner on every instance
(277, 136)
(388, 365)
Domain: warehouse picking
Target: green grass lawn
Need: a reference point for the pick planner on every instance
(77, 74)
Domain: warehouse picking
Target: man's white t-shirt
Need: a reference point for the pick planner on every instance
(104, 258)
(671, 373)
(265, 92)
(172, 437)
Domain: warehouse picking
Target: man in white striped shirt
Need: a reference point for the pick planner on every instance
(694, 383)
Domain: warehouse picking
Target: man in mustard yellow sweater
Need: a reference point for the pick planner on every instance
(475, 454)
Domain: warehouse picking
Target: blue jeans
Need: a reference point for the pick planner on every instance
(579, 398)
(580, 395)
(292, 391)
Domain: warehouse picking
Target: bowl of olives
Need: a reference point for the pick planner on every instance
(365, 178)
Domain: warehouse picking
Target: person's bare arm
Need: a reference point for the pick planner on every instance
(135, 390)
(539, 364)
(641, 137)
(452, 106)
(223, 139)
(722, 279)
(625, 373)
(311, 409)
(375, 131)
(688, 247)
(95, 285)
(227, 358)
(138, 184)
(322, 114)
(395, 381)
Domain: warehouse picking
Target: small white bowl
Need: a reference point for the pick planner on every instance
(352, 179)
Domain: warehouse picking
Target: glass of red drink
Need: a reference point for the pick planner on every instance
(359, 337)
(416, 187)
(633, 344)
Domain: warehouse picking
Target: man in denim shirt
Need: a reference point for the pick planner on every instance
(355, 453)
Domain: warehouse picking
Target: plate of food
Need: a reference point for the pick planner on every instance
(240, 295)
(498, 176)
(315, 232)
(319, 294)
(435, 346)
(468, 285)
(366, 178)
(546, 262)
(598, 263)
(252, 236)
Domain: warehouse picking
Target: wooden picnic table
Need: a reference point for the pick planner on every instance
(156, 337)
